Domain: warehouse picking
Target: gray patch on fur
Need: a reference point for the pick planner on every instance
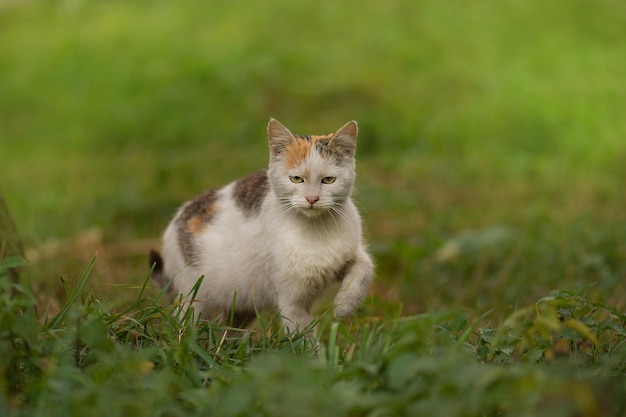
(327, 148)
(195, 215)
(250, 192)
(323, 148)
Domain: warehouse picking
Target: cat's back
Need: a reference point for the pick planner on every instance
(217, 217)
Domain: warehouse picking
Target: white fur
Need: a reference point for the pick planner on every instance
(285, 255)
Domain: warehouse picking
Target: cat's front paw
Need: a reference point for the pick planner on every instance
(344, 310)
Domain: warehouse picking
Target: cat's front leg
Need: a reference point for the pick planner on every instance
(355, 284)
(295, 318)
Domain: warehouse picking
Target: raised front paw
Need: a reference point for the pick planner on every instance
(344, 309)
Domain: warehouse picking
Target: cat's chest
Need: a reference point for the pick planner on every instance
(311, 252)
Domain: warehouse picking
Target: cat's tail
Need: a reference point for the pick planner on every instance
(156, 263)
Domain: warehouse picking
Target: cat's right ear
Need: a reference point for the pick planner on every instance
(279, 137)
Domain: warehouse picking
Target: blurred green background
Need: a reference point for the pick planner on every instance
(492, 154)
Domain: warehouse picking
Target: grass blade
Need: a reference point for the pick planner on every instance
(72, 296)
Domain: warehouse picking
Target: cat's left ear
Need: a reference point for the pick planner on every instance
(344, 140)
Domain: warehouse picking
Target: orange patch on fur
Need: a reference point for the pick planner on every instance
(297, 152)
(197, 224)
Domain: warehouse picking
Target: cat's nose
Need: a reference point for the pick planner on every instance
(312, 199)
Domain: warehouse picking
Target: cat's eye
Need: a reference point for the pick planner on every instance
(296, 179)
(328, 180)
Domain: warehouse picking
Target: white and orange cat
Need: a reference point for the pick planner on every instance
(276, 238)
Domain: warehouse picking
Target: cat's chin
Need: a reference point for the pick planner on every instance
(312, 212)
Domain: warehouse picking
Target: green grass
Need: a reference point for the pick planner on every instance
(558, 356)
(490, 176)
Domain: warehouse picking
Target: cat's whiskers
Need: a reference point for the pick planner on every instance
(338, 209)
(331, 213)
(358, 203)
(286, 208)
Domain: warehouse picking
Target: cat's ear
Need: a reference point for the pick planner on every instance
(279, 137)
(344, 140)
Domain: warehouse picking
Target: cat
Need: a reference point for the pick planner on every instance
(274, 239)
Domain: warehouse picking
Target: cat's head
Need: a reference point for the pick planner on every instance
(312, 175)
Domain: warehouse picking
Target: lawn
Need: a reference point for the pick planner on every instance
(491, 181)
